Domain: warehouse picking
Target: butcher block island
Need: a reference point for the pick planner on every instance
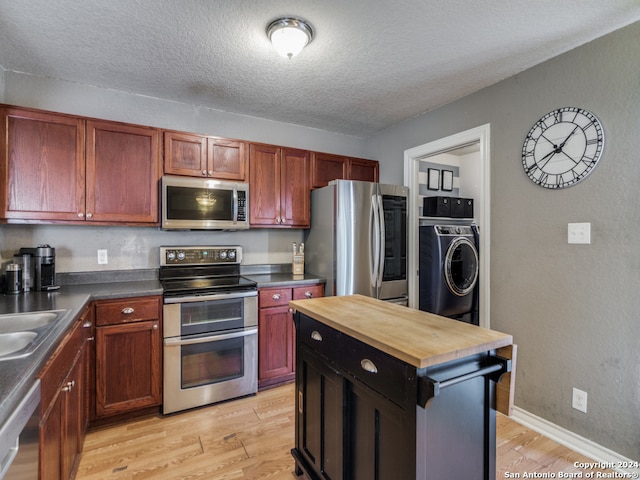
(387, 392)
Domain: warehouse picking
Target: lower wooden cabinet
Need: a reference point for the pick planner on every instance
(128, 355)
(276, 332)
(63, 416)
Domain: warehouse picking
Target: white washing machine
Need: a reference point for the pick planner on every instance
(449, 269)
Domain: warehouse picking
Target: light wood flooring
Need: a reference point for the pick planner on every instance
(251, 438)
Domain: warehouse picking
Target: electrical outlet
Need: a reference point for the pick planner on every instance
(579, 233)
(579, 400)
(102, 257)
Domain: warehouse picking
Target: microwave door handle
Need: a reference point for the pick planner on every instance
(382, 250)
(235, 205)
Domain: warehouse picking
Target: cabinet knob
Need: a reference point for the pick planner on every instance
(128, 310)
(80, 215)
(291, 310)
(368, 365)
(86, 325)
(69, 386)
(276, 296)
(308, 294)
(315, 335)
(91, 339)
(204, 173)
(89, 215)
(155, 326)
(210, 172)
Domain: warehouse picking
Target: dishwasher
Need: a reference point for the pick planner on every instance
(19, 439)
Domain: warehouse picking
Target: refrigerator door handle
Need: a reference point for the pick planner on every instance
(382, 248)
(375, 240)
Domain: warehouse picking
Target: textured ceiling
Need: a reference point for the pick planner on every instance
(372, 64)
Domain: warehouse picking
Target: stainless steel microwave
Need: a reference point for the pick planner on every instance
(204, 204)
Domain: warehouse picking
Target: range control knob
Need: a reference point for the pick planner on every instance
(180, 255)
(171, 255)
(223, 254)
(232, 254)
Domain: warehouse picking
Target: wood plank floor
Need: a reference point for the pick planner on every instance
(251, 439)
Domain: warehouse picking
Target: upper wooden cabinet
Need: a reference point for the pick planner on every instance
(326, 167)
(279, 186)
(42, 166)
(57, 167)
(122, 172)
(201, 156)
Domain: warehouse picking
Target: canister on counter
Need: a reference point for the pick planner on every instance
(14, 278)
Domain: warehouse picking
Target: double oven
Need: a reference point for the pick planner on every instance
(210, 316)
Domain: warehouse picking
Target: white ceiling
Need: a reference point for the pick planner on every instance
(371, 65)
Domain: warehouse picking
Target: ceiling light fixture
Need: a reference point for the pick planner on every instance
(289, 35)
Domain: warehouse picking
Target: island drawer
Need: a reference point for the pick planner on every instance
(320, 338)
(383, 373)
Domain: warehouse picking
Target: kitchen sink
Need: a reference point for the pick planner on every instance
(22, 333)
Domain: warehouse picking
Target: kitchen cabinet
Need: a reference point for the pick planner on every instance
(128, 355)
(276, 333)
(326, 167)
(63, 414)
(279, 187)
(204, 156)
(64, 168)
(42, 169)
(123, 170)
(386, 392)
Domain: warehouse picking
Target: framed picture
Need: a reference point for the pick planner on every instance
(447, 180)
(433, 179)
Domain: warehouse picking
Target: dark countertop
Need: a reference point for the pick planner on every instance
(77, 290)
(266, 280)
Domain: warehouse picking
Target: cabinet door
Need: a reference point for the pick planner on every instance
(276, 337)
(365, 170)
(264, 185)
(185, 154)
(51, 443)
(379, 445)
(326, 167)
(295, 187)
(128, 367)
(72, 417)
(227, 159)
(320, 414)
(123, 166)
(41, 166)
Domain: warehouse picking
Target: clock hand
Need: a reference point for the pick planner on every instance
(547, 156)
(559, 148)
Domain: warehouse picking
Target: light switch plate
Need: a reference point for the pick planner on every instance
(579, 233)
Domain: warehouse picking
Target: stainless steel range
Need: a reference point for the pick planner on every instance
(210, 326)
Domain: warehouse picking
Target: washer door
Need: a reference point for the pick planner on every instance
(461, 266)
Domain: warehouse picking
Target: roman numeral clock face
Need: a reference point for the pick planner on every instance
(563, 147)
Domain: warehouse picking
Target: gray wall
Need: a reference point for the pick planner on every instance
(573, 310)
(137, 247)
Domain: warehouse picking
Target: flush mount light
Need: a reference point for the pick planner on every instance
(289, 35)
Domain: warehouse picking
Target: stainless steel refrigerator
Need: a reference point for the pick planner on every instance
(358, 239)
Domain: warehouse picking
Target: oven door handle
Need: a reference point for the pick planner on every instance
(204, 298)
(179, 341)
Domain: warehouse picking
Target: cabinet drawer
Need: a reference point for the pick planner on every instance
(311, 291)
(320, 338)
(383, 373)
(274, 297)
(135, 309)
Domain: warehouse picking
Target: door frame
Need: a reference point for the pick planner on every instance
(482, 208)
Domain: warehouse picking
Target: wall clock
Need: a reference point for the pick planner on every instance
(563, 147)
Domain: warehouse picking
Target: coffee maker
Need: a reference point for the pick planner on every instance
(43, 267)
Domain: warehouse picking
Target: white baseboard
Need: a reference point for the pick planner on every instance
(575, 442)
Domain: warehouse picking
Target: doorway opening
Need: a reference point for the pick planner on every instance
(464, 159)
